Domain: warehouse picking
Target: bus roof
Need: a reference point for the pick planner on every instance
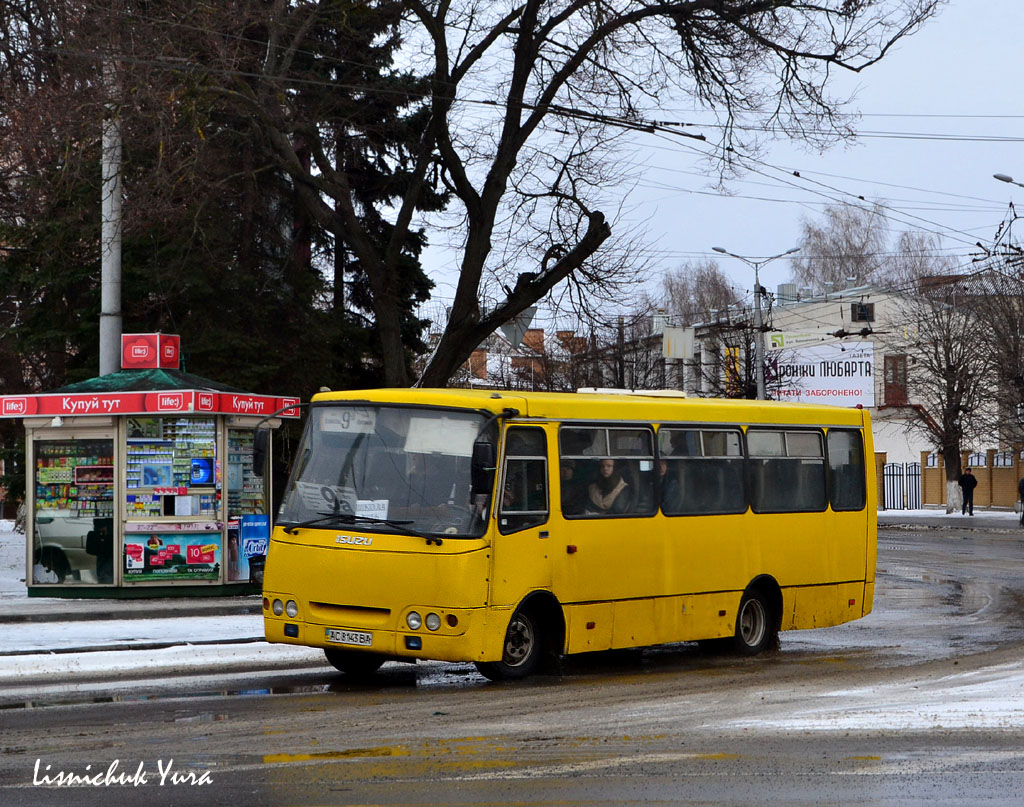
(605, 405)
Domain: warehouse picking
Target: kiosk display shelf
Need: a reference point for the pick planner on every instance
(170, 467)
(75, 476)
(246, 491)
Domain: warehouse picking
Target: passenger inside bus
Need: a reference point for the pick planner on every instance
(609, 494)
(670, 490)
(574, 489)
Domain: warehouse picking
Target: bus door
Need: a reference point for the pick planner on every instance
(522, 545)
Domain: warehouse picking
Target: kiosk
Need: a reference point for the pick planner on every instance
(142, 482)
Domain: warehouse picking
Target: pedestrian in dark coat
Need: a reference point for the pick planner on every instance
(1020, 495)
(968, 482)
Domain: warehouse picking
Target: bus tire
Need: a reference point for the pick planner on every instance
(756, 624)
(354, 664)
(522, 652)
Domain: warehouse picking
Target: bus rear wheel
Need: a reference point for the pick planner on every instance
(523, 650)
(755, 625)
(356, 665)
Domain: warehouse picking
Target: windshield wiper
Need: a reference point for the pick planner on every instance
(351, 518)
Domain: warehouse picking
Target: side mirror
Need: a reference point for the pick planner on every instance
(481, 474)
(260, 441)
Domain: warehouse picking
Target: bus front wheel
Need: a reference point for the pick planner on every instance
(522, 651)
(357, 665)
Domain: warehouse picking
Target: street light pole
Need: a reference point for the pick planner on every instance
(759, 339)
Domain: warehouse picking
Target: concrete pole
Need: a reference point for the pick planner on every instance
(110, 238)
(759, 336)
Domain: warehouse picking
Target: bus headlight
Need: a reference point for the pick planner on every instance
(291, 608)
(278, 608)
(413, 620)
(433, 621)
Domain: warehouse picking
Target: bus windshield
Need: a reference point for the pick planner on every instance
(388, 469)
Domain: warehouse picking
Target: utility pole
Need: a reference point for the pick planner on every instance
(758, 324)
(110, 233)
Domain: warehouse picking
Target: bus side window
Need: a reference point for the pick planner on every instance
(788, 471)
(701, 471)
(524, 491)
(606, 471)
(846, 486)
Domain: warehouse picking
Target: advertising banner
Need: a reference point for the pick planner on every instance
(165, 557)
(248, 540)
(148, 351)
(141, 403)
(836, 374)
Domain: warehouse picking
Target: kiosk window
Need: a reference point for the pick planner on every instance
(73, 515)
(170, 467)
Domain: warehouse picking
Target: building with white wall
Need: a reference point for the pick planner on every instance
(840, 348)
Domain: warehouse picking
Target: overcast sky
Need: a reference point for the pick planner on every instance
(940, 115)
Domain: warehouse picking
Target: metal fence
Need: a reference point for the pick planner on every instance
(902, 486)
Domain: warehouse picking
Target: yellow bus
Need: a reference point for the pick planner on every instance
(510, 528)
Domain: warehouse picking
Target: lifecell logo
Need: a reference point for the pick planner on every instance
(170, 401)
(170, 351)
(139, 351)
(15, 406)
(205, 402)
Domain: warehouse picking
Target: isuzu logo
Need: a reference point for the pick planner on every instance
(356, 540)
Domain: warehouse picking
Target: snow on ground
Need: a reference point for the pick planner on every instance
(63, 671)
(1007, 515)
(36, 651)
(12, 561)
(989, 698)
(992, 697)
(61, 636)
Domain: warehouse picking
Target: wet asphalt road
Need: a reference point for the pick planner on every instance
(920, 703)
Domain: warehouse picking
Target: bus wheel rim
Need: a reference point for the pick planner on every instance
(752, 623)
(518, 641)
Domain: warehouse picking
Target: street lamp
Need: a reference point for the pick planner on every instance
(1009, 179)
(759, 341)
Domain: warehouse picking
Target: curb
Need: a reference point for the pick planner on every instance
(917, 526)
(117, 648)
(52, 677)
(160, 612)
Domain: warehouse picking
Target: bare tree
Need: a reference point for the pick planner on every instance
(695, 292)
(996, 296)
(509, 115)
(849, 245)
(949, 371)
(918, 255)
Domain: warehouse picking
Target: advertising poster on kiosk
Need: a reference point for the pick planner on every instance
(163, 557)
(247, 541)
